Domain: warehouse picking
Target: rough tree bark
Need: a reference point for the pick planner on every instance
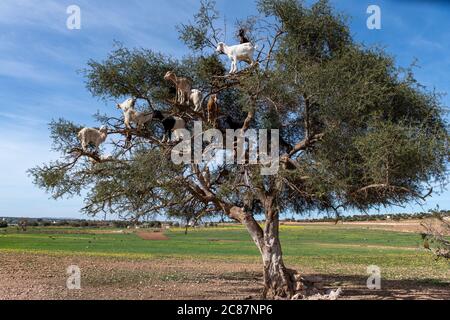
(278, 280)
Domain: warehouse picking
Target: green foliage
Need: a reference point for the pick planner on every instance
(311, 34)
(369, 133)
(208, 68)
(436, 238)
(138, 73)
(202, 33)
(64, 135)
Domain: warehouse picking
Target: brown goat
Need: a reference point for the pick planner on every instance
(183, 86)
(213, 109)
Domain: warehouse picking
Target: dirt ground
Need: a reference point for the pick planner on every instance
(37, 276)
(152, 236)
(410, 226)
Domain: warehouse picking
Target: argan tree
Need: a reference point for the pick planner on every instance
(437, 230)
(356, 132)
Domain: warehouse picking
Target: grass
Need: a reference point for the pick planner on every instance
(327, 249)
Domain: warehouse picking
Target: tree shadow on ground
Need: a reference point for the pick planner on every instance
(355, 287)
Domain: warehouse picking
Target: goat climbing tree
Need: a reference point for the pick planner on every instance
(355, 130)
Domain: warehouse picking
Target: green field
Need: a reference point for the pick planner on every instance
(327, 249)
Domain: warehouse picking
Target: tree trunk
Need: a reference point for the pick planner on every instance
(278, 280)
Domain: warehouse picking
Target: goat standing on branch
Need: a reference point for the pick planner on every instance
(196, 99)
(213, 109)
(126, 106)
(183, 85)
(171, 125)
(241, 52)
(88, 136)
(357, 134)
(132, 116)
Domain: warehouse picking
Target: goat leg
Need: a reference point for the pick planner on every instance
(232, 67)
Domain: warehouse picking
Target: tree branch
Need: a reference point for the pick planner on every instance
(305, 144)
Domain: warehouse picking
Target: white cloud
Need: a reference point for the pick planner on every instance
(137, 23)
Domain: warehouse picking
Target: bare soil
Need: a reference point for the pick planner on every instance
(410, 226)
(38, 276)
(153, 236)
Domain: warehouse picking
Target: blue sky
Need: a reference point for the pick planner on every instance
(39, 59)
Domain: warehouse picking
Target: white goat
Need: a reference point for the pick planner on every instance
(240, 52)
(132, 116)
(196, 99)
(92, 136)
(126, 106)
(140, 118)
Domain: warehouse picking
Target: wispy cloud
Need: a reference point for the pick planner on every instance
(152, 25)
(427, 44)
(47, 14)
(28, 71)
(27, 121)
(18, 196)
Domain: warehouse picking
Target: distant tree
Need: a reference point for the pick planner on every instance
(23, 224)
(436, 237)
(3, 224)
(155, 224)
(121, 224)
(356, 132)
